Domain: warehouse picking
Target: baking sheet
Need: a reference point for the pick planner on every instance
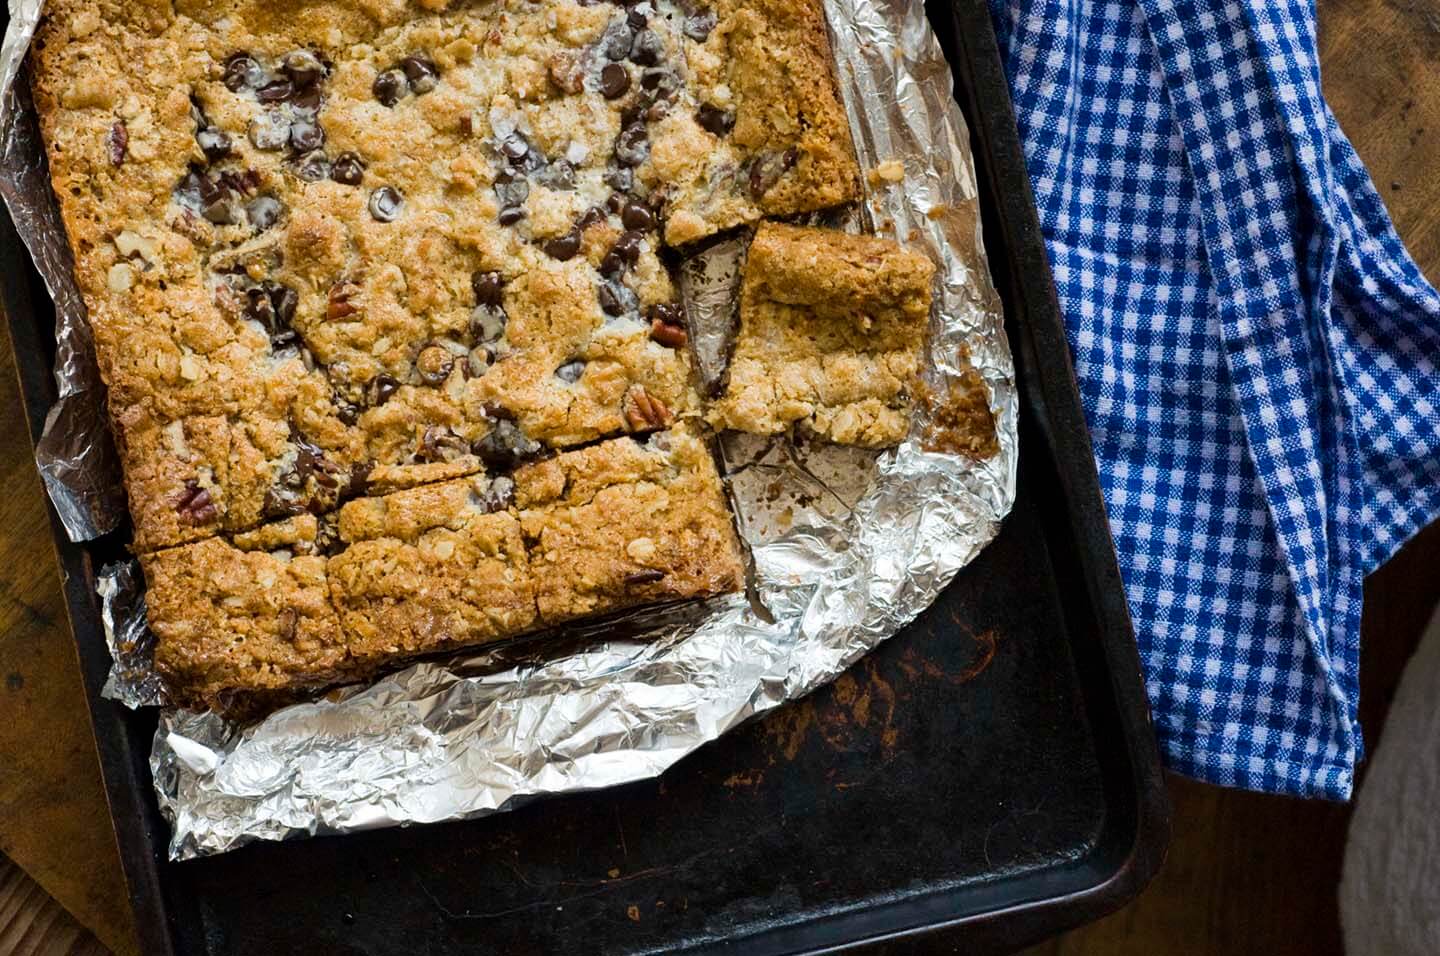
(847, 547)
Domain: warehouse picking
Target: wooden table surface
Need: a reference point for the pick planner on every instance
(1246, 873)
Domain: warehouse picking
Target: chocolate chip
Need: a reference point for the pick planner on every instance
(284, 300)
(214, 142)
(195, 506)
(620, 178)
(617, 299)
(276, 91)
(591, 217)
(515, 146)
(245, 181)
(647, 576)
(273, 305)
(614, 81)
(380, 389)
(499, 496)
(307, 102)
(243, 72)
(511, 190)
(306, 136)
(434, 364)
(671, 313)
(636, 20)
(648, 48)
(423, 75)
(349, 169)
(571, 371)
(347, 412)
(637, 217)
(487, 323)
(768, 168)
(505, 446)
(187, 191)
(314, 168)
(632, 146)
(700, 24)
(212, 188)
(564, 247)
(558, 175)
(389, 86)
(117, 143)
(617, 41)
(385, 204)
(269, 131)
(220, 211)
(489, 288)
(263, 212)
(627, 247)
(312, 466)
(714, 120)
(510, 215)
(303, 68)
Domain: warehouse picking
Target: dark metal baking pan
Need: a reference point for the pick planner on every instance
(988, 775)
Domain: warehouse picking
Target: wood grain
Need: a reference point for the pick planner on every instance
(53, 818)
(1246, 873)
(33, 924)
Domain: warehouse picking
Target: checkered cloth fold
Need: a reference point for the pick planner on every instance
(1256, 351)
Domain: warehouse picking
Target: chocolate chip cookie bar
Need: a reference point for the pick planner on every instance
(767, 135)
(626, 523)
(329, 244)
(831, 337)
(307, 601)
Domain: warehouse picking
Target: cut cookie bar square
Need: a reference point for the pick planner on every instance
(626, 523)
(431, 568)
(299, 604)
(765, 133)
(831, 337)
(251, 616)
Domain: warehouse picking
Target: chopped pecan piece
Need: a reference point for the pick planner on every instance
(648, 576)
(670, 336)
(117, 143)
(645, 412)
(340, 306)
(567, 71)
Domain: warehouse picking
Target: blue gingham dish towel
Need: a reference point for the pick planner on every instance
(1257, 354)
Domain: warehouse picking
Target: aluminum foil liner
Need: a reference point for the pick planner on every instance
(76, 455)
(847, 547)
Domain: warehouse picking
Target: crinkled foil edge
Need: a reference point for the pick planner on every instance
(75, 454)
(843, 570)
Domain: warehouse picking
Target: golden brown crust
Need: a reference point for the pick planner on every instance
(231, 621)
(781, 144)
(623, 524)
(300, 604)
(400, 248)
(324, 301)
(832, 331)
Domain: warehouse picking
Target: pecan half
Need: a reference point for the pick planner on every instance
(195, 505)
(670, 336)
(340, 305)
(645, 412)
